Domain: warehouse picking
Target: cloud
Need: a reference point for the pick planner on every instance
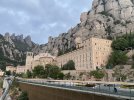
(40, 18)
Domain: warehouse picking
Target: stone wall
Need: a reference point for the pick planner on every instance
(46, 93)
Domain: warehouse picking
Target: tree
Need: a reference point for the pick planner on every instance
(39, 71)
(119, 75)
(60, 76)
(2, 65)
(29, 74)
(70, 65)
(120, 44)
(23, 96)
(116, 58)
(98, 74)
(52, 71)
(8, 72)
(60, 52)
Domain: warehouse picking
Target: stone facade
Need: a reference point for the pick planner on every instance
(21, 69)
(90, 54)
(11, 68)
(40, 59)
(1, 73)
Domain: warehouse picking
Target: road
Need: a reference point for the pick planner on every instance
(6, 85)
(99, 89)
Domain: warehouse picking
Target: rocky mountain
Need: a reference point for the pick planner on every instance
(106, 19)
(13, 49)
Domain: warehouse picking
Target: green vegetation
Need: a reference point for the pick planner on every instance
(120, 47)
(124, 42)
(117, 22)
(8, 73)
(70, 65)
(120, 44)
(133, 62)
(128, 86)
(119, 76)
(90, 85)
(1, 82)
(98, 74)
(21, 46)
(29, 74)
(14, 90)
(23, 96)
(105, 13)
(50, 71)
(38, 71)
(61, 52)
(117, 57)
(4, 61)
(108, 30)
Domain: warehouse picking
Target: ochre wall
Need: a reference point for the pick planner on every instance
(47, 93)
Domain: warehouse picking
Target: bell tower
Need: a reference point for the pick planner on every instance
(29, 60)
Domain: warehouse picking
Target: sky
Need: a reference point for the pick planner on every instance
(40, 18)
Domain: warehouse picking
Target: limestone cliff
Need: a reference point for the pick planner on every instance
(106, 19)
(13, 49)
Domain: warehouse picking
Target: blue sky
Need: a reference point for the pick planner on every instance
(40, 18)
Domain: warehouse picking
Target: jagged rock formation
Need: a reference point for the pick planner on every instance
(13, 49)
(106, 19)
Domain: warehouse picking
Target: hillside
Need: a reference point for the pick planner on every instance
(13, 49)
(106, 19)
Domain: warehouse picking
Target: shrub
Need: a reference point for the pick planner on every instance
(23, 96)
(39, 71)
(132, 67)
(120, 44)
(117, 22)
(117, 58)
(60, 76)
(98, 74)
(70, 65)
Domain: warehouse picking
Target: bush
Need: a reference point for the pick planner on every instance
(98, 74)
(52, 71)
(8, 72)
(60, 76)
(23, 96)
(70, 65)
(39, 71)
(120, 44)
(132, 67)
(29, 74)
(117, 22)
(90, 85)
(117, 58)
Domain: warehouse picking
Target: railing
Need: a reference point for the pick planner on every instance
(5, 92)
(101, 88)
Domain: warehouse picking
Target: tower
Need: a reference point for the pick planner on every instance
(29, 60)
